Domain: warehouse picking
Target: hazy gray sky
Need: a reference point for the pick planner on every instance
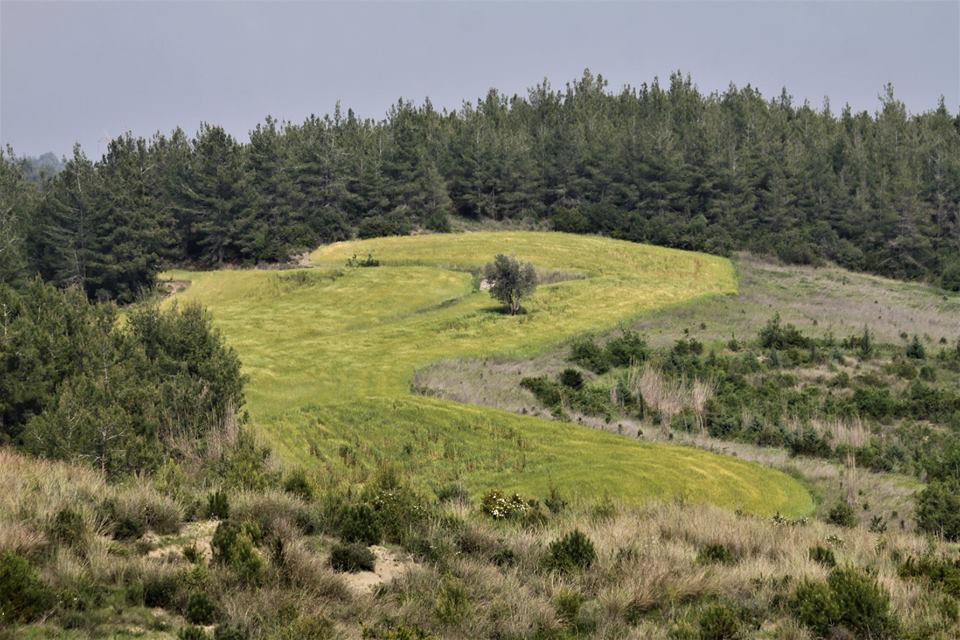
(83, 71)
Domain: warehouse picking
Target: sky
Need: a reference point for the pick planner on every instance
(87, 72)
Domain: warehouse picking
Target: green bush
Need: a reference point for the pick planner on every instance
(67, 527)
(716, 554)
(23, 597)
(571, 378)
(719, 621)
(352, 558)
(823, 555)
(586, 353)
(191, 633)
(841, 514)
(572, 552)
(915, 349)
(297, 484)
(547, 391)
(233, 546)
(626, 349)
(218, 505)
(360, 523)
(201, 609)
(938, 509)
(849, 602)
(160, 589)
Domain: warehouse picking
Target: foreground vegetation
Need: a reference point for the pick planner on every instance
(330, 353)
(83, 558)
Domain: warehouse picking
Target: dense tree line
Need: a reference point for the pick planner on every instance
(80, 383)
(663, 164)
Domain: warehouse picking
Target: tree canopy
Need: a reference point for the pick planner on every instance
(661, 163)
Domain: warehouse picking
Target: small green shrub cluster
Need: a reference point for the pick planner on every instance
(352, 558)
(714, 553)
(218, 505)
(849, 602)
(842, 514)
(571, 552)
(23, 596)
(234, 546)
(823, 555)
(622, 351)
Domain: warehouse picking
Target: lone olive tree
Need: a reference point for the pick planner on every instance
(510, 281)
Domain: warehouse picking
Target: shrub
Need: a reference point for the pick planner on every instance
(359, 523)
(352, 558)
(500, 506)
(233, 546)
(23, 597)
(298, 484)
(191, 633)
(823, 555)
(938, 509)
(716, 554)
(626, 349)
(547, 391)
(850, 601)
(780, 337)
(915, 349)
(572, 552)
(218, 505)
(841, 514)
(571, 378)
(160, 589)
(719, 621)
(555, 502)
(588, 355)
(201, 609)
(67, 527)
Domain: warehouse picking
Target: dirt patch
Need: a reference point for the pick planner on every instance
(388, 566)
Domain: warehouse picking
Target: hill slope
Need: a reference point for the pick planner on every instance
(331, 351)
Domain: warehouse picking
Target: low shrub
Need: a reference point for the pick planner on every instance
(360, 523)
(23, 596)
(823, 555)
(849, 602)
(626, 349)
(160, 589)
(501, 506)
(297, 484)
(191, 633)
(201, 609)
(67, 528)
(572, 552)
(218, 505)
(233, 546)
(586, 353)
(842, 515)
(938, 509)
(716, 554)
(352, 558)
(546, 391)
(719, 621)
(571, 378)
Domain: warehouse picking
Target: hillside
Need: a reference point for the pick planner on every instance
(331, 351)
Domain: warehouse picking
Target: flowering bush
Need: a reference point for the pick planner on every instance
(500, 506)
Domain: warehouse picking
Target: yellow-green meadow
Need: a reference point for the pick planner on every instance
(330, 352)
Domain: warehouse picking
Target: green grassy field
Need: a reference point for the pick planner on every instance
(331, 351)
